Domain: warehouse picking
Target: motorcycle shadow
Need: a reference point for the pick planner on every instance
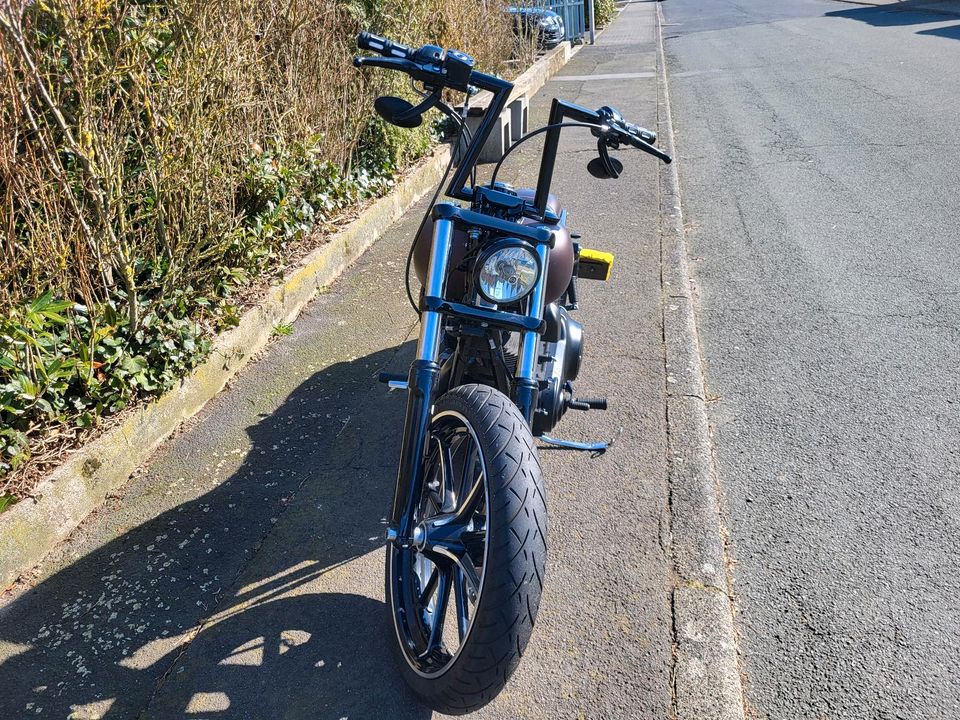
(320, 655)
(221, 605)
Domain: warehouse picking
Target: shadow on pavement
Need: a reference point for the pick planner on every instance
(952, 32)
(107, 635)
(905, 13)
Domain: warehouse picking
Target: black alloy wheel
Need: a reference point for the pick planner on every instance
(463, 591)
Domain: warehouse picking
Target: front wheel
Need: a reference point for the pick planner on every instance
(463, 594)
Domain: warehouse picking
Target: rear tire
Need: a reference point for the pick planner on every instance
(514, 517)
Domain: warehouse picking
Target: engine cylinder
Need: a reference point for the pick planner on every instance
(564, 346)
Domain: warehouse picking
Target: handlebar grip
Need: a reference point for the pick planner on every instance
(383, 46)
(638, 141)
(648, 136)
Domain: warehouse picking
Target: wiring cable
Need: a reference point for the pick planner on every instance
(545, 128)
(426, 215)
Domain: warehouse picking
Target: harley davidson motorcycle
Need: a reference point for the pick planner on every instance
(496, 359)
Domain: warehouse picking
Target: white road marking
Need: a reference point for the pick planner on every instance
(614, 76)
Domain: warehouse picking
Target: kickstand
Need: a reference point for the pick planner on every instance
(596, 448)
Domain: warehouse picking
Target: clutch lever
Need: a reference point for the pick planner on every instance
(430, 75)
(382, 62)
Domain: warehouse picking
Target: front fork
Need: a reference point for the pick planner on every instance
(422, 380)
(527, 391)
(421, 383)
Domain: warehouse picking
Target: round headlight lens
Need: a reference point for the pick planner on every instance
(507, 274)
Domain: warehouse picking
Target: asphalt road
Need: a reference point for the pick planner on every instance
(239, 575)
(820, 166)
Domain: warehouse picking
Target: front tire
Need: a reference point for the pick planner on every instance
(482, 472)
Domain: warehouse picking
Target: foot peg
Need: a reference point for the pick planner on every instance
(393, 380)
(587, 404)
(597, 448)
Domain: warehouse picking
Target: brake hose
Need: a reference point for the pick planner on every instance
(545, 128)
(423, 222)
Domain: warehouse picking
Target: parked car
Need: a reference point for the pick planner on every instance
(542, 22)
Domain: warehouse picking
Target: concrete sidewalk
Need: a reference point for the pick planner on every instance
(240, 573)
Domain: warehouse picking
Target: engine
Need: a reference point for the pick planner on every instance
(562, 346)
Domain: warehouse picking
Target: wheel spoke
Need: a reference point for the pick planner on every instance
(429, 587)
(447, 490)
(439, 613)
(434, 480)
(469, 502)
(463, 607)
(468, 572)
(469, 471)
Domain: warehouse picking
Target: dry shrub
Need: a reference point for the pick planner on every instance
(606, 10)
(157, 155)
(127, 124)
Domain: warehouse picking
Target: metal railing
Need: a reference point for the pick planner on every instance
(573, 14)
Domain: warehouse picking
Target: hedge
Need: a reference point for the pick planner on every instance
(161, 157)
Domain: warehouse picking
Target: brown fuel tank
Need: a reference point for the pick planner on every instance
(559, 270)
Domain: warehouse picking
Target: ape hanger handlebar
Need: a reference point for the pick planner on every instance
(438, 69)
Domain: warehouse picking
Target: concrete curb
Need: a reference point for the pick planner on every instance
(535, 77)
(543, 69)
(706, 674)
(31, 528)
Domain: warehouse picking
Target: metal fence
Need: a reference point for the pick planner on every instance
(573, 14)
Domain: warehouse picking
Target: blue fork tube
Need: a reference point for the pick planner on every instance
(421, 384)
(527, 390)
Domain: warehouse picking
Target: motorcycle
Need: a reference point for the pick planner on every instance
(497, 355)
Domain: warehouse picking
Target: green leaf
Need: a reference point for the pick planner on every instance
(41, 303)
(53, 367)
(59, 306)
(54, 316)
(6, 501)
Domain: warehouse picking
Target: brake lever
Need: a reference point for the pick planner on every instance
(635, 135)
(655, 151)
(637, 140)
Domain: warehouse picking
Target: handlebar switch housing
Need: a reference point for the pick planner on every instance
(612, 118)
(457, 67)
(429, 55)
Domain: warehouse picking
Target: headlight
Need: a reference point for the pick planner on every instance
(507, 271)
